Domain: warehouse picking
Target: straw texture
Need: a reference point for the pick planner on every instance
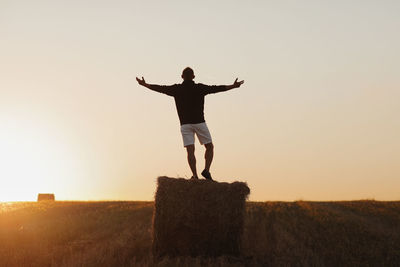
(198, 217)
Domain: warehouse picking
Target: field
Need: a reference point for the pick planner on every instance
(353, 233)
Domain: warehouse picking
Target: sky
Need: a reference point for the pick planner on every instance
(318, 117)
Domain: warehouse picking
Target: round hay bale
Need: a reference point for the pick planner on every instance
(46, 197)
(198, 217)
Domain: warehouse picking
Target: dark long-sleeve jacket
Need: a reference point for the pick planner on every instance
(189, 99)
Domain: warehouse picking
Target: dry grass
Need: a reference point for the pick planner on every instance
(198, 217)
(355, 233)
(75, 233)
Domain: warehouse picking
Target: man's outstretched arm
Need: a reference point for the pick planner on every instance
(235, 84)
(221, 88)
(165, 89)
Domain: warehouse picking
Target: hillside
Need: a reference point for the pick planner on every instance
(353, 233)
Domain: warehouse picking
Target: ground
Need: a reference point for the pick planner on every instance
(301, 233)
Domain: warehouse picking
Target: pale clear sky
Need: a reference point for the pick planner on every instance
(318, 117)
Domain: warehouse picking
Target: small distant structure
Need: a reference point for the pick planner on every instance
(46, 197)
(198, 217)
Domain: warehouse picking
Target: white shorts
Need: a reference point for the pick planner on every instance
(201, 130)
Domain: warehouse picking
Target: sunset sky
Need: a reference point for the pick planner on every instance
(318, 117)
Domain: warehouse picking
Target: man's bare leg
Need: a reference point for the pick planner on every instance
(191, 159)
(209, 154)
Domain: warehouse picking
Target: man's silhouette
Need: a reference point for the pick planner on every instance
(189, 101)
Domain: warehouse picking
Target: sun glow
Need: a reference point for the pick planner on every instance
(32, 161)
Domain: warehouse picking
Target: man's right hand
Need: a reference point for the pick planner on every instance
(237, 84)
(141, 81)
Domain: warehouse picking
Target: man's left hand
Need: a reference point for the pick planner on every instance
(141, 81)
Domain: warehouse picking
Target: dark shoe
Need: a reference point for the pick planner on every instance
(194, 178)
(206, 174)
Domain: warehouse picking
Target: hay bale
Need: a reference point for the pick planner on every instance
(198, 217)
(48, 197)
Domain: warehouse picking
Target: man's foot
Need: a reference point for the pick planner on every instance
(194, 178)
(206, 174)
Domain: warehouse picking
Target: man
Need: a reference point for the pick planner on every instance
(189, 101)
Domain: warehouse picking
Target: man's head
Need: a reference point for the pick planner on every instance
(188, 74)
